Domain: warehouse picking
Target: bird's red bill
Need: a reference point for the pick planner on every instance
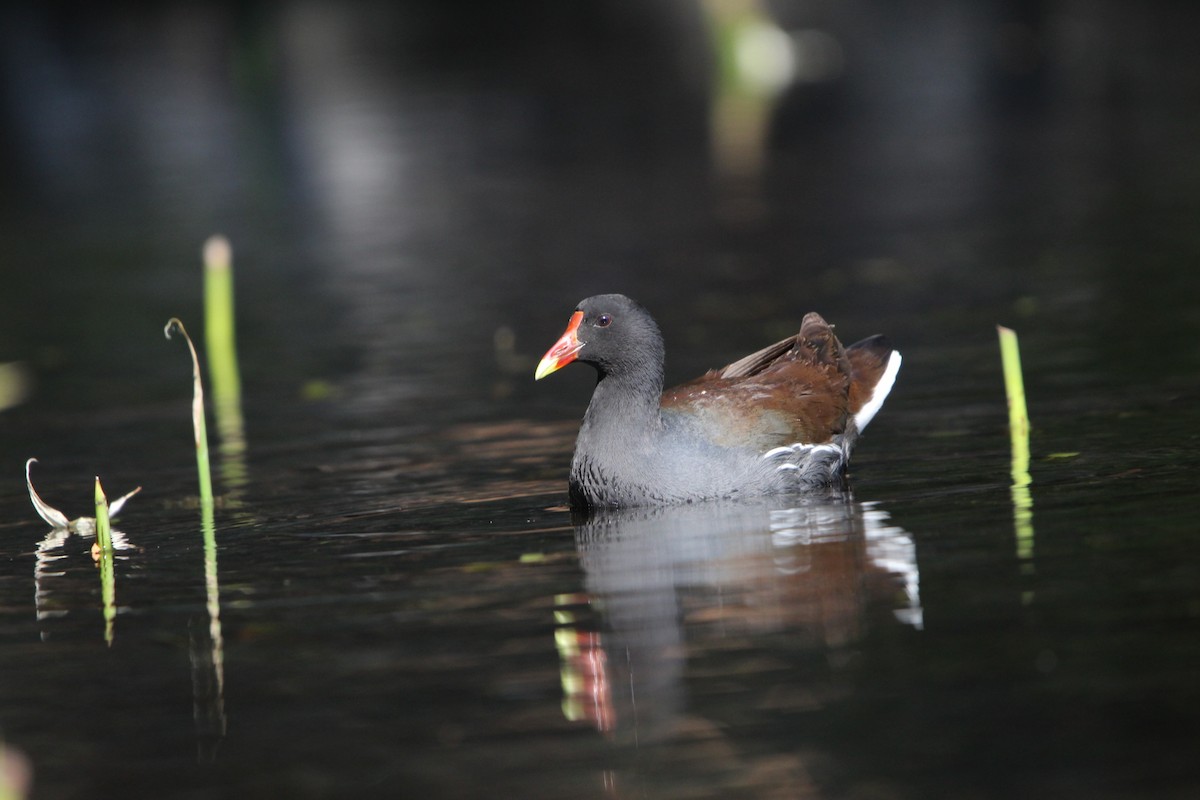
(564, 350)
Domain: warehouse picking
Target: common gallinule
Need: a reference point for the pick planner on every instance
(782, 419)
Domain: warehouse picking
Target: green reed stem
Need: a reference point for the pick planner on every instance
(108, 578)
(1014, 387)
(103, 525)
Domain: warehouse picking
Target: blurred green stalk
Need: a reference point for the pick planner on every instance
(1018, 427)
(742, 101)
(16, 774)
(221, 342)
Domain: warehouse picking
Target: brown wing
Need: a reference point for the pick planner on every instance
(757, 362)
(796, 390)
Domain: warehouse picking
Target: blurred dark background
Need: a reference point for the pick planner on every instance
(415, 189)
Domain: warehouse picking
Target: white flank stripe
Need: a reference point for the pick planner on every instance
(882, 389)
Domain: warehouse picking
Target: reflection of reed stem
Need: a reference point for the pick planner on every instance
(1018, 425)
(108, 578)
(213, 597)
(209, 679)
(221, 342)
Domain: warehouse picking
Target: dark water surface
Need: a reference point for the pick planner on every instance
(416, 201)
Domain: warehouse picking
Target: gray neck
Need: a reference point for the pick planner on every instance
(625, 403)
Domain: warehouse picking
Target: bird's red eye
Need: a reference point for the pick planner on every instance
(604, 320)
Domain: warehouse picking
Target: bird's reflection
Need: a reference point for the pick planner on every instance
(669, 586)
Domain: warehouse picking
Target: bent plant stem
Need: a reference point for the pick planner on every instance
(108, 579)
(199, 428)
(1018, 426)
(209, 705)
